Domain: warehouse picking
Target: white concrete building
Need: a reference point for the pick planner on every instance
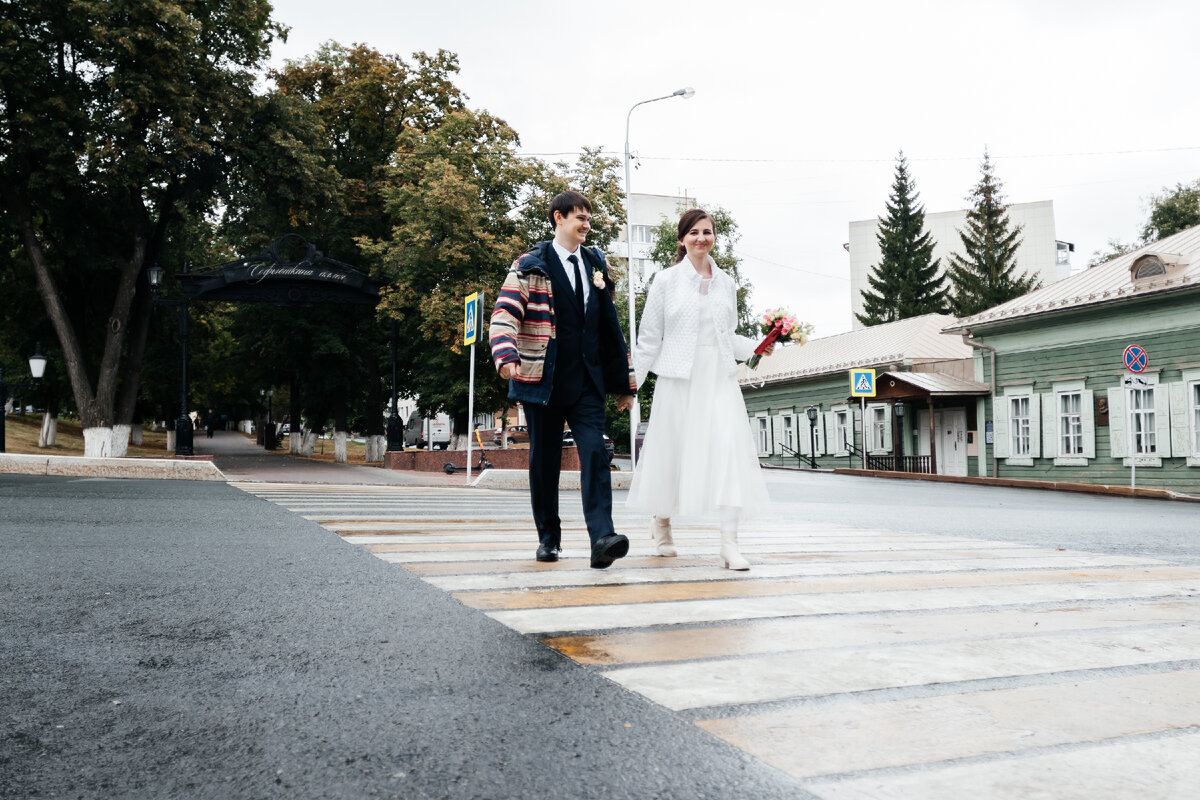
(646, 212)
(1040, 254)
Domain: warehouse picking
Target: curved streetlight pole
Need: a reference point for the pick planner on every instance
(635, 412)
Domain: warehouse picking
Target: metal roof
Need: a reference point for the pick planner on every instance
(1103, 284)
(913, 340)
(937, 383)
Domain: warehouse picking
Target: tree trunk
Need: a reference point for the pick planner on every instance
(136, 436)
(339, 432)
(376, 447)
(120, 441)
(95, 407)
(97, 442)
(49, 432)
(307, 442)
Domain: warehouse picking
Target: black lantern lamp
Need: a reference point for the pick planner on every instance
(183, 425)
(37, 368)
(812, 414)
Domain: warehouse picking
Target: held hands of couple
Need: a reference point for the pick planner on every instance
(624, 402)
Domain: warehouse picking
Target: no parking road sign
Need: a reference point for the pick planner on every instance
(1136, 358)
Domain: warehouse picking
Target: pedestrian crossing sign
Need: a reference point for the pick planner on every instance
(471, 323)
(862, 383)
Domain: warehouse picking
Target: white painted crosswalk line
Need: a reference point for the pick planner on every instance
(810, 660)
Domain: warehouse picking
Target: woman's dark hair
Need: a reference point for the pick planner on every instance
(567, 202)
(686, 223)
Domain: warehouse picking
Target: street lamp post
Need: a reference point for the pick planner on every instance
(183, 425)
(812, 413)
(635, 412)
(898, 435)
(37, 368)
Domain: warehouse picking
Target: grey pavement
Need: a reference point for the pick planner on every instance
(240, 458)
(170, 639)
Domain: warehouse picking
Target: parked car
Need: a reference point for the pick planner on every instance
(609, 446)
(517, 434)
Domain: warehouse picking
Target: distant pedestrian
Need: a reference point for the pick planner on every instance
(210, 423)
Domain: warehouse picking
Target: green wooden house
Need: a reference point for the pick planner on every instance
(1096, 378)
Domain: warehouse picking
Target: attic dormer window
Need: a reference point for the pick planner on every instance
(1148, 266)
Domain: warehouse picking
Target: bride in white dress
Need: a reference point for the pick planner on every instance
(698, 457)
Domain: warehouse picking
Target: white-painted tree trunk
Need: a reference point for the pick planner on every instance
(295, 442)
(170, 441)
(376, 447)
(459, 442)
(49, 433)
(308, 443)
(120, 441)
(339, 447)
(136, 435)
(97, 442)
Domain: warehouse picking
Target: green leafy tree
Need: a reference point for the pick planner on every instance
(449, 190)
(117, 117)
(1113, 248)
(1171, 211)
(985, 274)
(906, 282)
(319, 166)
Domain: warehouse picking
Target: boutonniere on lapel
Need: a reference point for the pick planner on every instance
(598, 279)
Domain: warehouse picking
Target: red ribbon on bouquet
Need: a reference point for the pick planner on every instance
(775, 332)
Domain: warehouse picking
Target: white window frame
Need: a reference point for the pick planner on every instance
(788, 438)
(1053, 420)
(1002, 417)
(837, 427)
(762, 434)
(1185, 417)
(642, 234)
(1120, 420)
(880, 417)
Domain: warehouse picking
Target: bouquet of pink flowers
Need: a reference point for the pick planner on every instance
(777, 323)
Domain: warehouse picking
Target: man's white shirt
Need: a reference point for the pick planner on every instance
(569, 268)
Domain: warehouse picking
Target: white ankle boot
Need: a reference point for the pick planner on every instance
(730, 557)
(660, 534)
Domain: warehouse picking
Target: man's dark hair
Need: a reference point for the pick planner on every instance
(567, 202)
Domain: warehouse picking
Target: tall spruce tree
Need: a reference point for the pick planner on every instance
(906, 281)
(985, 275)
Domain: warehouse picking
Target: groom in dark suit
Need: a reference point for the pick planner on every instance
(556, 340)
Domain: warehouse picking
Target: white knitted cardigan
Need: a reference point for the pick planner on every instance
(667, 334)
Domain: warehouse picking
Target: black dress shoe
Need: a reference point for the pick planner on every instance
(608, 550)
(545, 553)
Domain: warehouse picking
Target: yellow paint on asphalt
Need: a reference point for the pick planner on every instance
(749, 587)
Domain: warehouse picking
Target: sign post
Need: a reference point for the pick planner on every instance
(1135, 359)
(862, 386)
(471, 328)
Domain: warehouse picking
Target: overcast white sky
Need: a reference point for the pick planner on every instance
(801, 107)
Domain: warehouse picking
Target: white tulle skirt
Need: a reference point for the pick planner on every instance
(699, 458)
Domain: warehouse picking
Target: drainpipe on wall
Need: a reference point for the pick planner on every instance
(967, 340)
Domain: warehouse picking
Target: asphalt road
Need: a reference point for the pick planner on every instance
(1167, 529)
(175, 639)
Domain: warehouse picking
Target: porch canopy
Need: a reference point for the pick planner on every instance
(923, 388)
(926, 386)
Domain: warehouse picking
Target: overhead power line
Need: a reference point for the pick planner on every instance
(994, 156)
